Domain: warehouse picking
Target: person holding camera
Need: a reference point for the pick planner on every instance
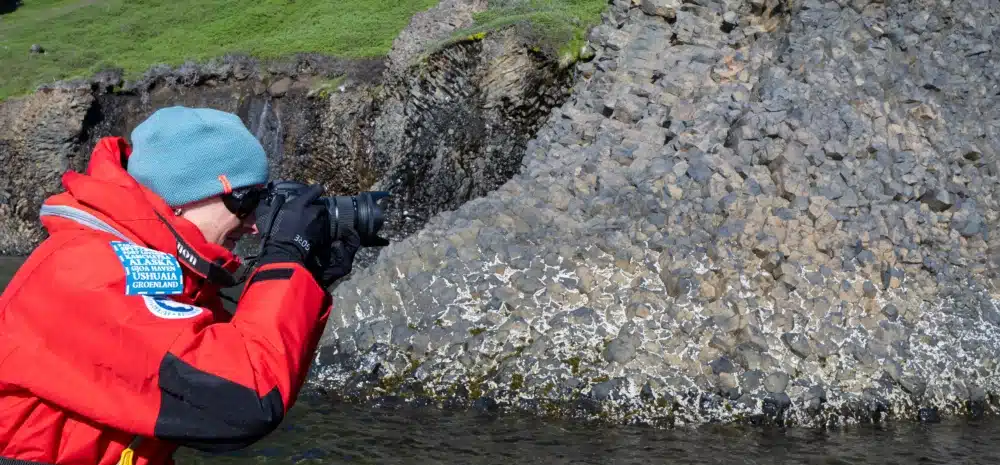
(114, 344)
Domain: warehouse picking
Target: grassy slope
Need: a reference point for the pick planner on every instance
(82, 36)
(557, 25)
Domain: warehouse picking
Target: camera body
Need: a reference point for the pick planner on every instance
(361, 213)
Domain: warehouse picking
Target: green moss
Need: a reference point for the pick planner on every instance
(477, 331)
(574, 365)
(390, 384)
(557, 28)
(550, 409)
(324, 87)
(548, 388)
(600, 379)
(516, 382)
(81, 37)
(475, 389)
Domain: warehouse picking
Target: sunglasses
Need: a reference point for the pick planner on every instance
(242, 202)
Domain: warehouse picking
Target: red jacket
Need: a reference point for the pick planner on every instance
(87, 362)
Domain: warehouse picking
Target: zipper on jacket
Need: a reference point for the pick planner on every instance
(81, 217)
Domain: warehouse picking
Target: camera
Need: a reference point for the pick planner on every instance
(361, 212)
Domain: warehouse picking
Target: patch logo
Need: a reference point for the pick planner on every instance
(166, 308)
(148, 271)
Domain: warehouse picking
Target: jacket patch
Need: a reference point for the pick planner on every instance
(166, 308)
(148, 271)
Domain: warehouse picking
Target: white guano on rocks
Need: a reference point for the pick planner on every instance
(746, 210)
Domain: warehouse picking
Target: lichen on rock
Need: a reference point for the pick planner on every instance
(747, 210)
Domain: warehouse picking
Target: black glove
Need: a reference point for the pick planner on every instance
(299, 233)
(341, 258)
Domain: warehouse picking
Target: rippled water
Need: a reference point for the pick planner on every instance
(319, 431)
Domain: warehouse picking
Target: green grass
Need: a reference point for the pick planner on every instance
(81, 37)
(557, 27)
(324, 87)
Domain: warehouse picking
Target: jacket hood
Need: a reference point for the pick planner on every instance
(107, 191)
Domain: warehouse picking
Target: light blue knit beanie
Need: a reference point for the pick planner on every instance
(188, 154)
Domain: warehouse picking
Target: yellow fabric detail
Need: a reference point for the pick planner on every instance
(126, 458)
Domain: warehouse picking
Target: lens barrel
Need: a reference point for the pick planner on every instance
(361, 213)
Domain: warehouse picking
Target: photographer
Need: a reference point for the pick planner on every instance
(114, 345)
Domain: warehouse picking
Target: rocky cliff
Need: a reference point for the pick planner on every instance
(747, 210)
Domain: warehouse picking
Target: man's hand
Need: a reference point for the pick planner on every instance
(341, 257)
(300, 233)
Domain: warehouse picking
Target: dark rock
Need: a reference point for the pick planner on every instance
(647, 394)
(751, 380)
(815, 397)
(699, 171)
(723, 365)
(776, 404)
(869, 289)
(913, 385)
(776, 382)
(678, 282)
(797, 343)
(892, 278)
(729, 21)
(280, 87)
(611, 389)
(938, 200)
(890, 312)
(485, 405)
(584, 316)
(667, 9)
(621, 349)
(929, 415)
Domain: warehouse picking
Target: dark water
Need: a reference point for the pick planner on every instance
(317, 433)
(321, 432)
(8, 266)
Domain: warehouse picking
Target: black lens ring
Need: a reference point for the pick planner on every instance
(343, 215)
(364, 208)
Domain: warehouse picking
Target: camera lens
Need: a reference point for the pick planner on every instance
(369, 215)
(361, 213)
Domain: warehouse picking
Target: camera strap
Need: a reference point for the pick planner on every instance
(201, 266)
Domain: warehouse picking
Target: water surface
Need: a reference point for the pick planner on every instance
(8, 266)
(319, 431)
